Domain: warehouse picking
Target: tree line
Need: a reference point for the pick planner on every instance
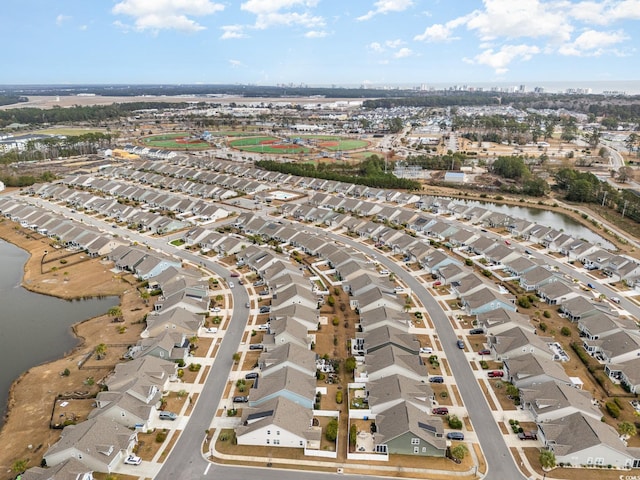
(370, 173)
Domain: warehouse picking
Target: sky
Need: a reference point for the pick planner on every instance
(318, 42)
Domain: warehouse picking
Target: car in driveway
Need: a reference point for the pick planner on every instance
(484, 351)
(264, 309)
(132, 460)
(436, 379)
(215, 309)
(251, 375)
(440, 411)
(164, 415)
(455, 436)
(528, 436)
(460, 344)
(426, 350)
(235, 274)
(476, 331)
(437, 283)
(495, 374)
(256, 346)
(240, 399)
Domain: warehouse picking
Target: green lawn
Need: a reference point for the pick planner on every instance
(244, 142)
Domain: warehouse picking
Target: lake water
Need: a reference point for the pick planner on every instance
(548, 218)
(34, 328)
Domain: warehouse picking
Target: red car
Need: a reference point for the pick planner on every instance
(235, 274)
(436, 284)
(486, 351)
(495, 374)
(507, 242)
(440, 411)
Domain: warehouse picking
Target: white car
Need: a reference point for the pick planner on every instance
(426, 350)
(212, 330)
(231, 285)
(132, 460)
(215, 309)
(384, 272)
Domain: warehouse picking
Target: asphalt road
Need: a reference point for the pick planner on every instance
(499, 460)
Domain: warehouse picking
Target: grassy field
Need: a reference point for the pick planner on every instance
(69, 131)
(169, 142)
(334, 143)
(245, 142)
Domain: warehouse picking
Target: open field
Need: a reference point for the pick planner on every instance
(175, 141)
(334, 143)
(68, 131)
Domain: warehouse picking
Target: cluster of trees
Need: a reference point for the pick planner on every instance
(54, 147)
(438, 162)
(26, 180)
(9, 99)
(370, 172)
(514, 168)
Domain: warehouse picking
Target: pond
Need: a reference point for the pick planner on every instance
(34, 328)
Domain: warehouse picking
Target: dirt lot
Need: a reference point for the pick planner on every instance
(33, 395)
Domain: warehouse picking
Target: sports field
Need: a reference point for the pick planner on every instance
(297, 144)
(175, 141)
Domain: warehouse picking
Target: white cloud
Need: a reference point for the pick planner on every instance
(524, 18)
(403, 53)
(274, 13)
(259, 7)
(316, 34)
(232, 32)
(592, 43)
(166, 14)
(603, 13)
(499, 60)
(236, 63)
(435, 33)
(376, 47)
(386, 6)
(60, 19)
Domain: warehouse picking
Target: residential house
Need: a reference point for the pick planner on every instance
(518, 341)
(537, 277)
(288, 355)
(70, 469)
(176, 320)
(529, 370)
(99, 443)
(288, 383)
(388, 391)
(550, 401)
(279, 422)
(392, 360)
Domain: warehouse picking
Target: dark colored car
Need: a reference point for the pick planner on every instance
(460, 344)
(528, 436)
(440, 411)
(256, 346)
(495, 374)
(476, 331)
(240, 399)
(235, 274)
(264, 292)
(455, 436)
(436, 379)
(265, 309)
(251, 375)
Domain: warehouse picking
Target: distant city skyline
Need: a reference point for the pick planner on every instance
(323, 42)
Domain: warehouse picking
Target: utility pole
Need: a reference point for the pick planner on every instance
(604, 197)
(624, 208)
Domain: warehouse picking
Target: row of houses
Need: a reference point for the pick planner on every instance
(389, 356)
(131, 396)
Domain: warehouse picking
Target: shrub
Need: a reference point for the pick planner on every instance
(66, 372)
(484, 365)
(331, 301)
(468, 262)
(524, 302)
(543, 326)
(331, 431)
(353, 434)
(612, 409)
(194, 367)
(161, 436)
(339, 397)
(565, 331)
(546, 314)
(455, 422)
(336, 321)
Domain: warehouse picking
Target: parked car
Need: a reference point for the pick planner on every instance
(528, 436)
(460, 344)
(384, 272)
(426, 350)
(212, 330)
(265, 309)
(476, 331)
(495, 374)
(455, 436)
(215, 309)
(263, 327)
(437, 283)
(507, 242)
(247, 305)
(590, 285)
(259, 283)
(256, 346)
(483, 230)
(436, 379)
(263, 292)
(440, 411)
(251, 375)
(528, 252)
(615, 299)
(484, 351)
(240, 399)
(240, 282)
(235, 274)
(168, 415)
(231, 285)
(132, 460)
